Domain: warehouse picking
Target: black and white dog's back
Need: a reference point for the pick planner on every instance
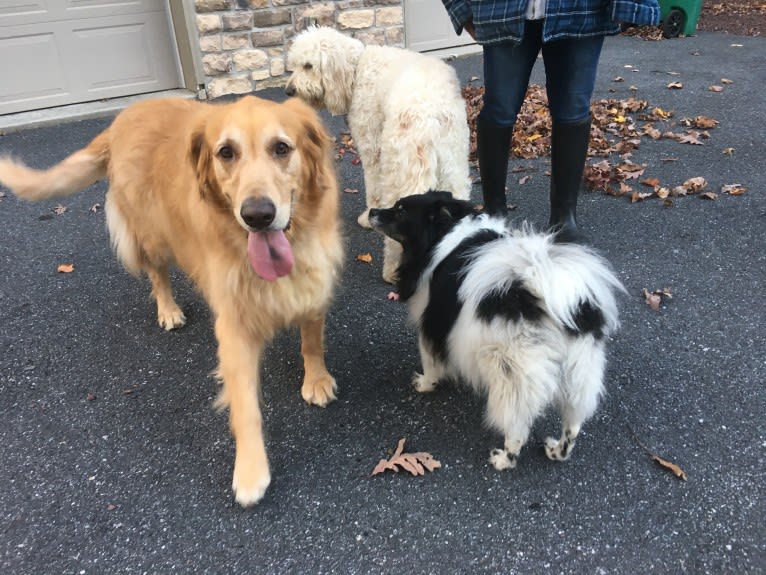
(520, 318)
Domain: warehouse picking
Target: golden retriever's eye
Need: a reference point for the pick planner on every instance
(226, 153)
(308, 66)
(282, 149)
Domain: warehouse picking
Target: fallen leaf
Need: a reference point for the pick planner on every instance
(65, 268)
(716, 88)
(662, 193)
(652, 299)
(524, 180)
(2, 195)
(91, 397)
(624, 189)
(700, 122)
(392, 296)
(728, 151)
(726, 81)
(733, 189)
(689, 138)
(415, 463)
(618, 79)
(653, 182)
(95, 207)
(59, 209)
(670, 466)
(366, 258)
(709, 196)
(356, 161)
(695, 185)
(351, 190)
(640, 196)
(675, 85)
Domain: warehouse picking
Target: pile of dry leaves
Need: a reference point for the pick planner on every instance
(618, 128)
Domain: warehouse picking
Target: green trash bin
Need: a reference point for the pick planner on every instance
(679, 17)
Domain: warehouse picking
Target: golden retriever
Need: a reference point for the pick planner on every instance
(243, 197)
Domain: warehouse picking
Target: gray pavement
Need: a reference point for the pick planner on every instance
(113, 460)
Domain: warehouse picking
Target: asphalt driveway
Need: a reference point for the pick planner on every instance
(113, 460)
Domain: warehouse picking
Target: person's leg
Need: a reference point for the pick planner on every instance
(507, 68)
(570, 71)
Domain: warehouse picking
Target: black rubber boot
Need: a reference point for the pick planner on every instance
(569, 149)
(493, 144)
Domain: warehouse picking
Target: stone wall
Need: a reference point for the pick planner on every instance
(243, 43)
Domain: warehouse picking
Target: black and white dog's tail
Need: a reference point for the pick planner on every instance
(574, 284)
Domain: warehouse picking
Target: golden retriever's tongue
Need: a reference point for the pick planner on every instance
(270, 254)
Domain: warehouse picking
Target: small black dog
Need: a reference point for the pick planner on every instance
(517, 316)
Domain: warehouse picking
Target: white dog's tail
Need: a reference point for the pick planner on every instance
(73, 174)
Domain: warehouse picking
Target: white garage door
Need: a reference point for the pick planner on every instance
(427, 27)
(56, 52)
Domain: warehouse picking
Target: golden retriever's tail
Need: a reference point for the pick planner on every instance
(70, 176)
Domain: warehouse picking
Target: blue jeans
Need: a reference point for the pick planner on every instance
(570, 76)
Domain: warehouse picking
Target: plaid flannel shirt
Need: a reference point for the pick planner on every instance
(499, 21)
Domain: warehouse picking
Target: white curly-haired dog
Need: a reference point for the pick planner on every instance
(405, 111)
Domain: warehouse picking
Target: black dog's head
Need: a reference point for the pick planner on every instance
(418, 222)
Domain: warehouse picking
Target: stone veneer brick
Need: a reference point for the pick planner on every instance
(244, 42)
(211, 5)
(356, 19)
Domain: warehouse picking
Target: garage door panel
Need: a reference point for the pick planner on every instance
(34, 62)
(14, 12)
(118, 55)
(50, 58)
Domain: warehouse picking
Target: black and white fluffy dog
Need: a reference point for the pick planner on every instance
(521, 318)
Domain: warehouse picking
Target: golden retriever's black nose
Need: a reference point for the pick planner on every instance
(290, 90)
(258, 213)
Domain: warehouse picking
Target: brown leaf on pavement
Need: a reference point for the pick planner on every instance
(65, 268)
(694, 185)
(670, 466)
(654, 298)
(733, 189)
(416, 463)
(366, 258)
(652, 182)
(59, 209)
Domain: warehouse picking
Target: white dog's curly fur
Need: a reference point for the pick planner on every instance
(405, 111)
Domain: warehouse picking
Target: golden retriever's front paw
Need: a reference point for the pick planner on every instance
(250, 481)
(171, 318)
(389, 275)
(364, 219)
(319, 390)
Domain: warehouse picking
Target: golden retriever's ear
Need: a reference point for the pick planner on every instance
(315, 142)
(201, 158)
